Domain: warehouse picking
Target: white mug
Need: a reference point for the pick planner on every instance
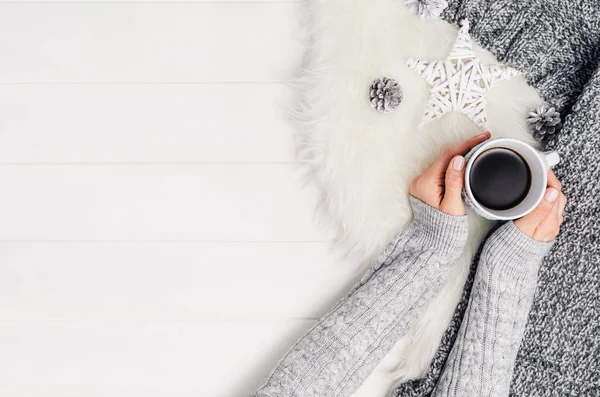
(539, 164)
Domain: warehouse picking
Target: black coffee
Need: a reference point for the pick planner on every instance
(500, 179)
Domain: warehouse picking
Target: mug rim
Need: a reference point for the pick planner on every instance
(489, 144)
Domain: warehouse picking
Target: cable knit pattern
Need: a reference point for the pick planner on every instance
(422, 387)
(481, 361)
(335, 357)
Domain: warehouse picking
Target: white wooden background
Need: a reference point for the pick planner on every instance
(155, 237)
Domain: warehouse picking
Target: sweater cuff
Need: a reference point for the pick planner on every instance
(439, 231)
(516, 250)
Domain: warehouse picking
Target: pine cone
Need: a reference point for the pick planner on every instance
(543, 122)
(426, 9)
(385, 94)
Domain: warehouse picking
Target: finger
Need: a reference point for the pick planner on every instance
(461, 149)
(529, 223)
(452, 202)
(561, 207)
(550, 226)
(553, 181)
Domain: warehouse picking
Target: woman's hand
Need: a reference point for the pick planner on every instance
(543, 223)
(441, 185)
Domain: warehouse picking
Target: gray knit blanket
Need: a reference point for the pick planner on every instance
(556, 44)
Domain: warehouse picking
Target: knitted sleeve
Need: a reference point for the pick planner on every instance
(482, 359)
(344, 347)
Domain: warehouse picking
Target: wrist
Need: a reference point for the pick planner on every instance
(517, 252)
(439, 231)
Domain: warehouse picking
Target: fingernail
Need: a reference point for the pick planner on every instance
(458, 163)
(551, 194)
(485, 134)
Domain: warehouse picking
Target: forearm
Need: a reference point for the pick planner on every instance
(482, 358)
(344, 347)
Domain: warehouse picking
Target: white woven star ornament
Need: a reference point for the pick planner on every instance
(460, 82)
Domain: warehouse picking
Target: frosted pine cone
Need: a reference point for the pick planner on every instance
(385, 94)
(426, 9)
(543, 122)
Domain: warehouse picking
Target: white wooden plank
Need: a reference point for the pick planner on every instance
(169, 281)
(141, 123)
(149, 202)
(140, 42)
(124, 359)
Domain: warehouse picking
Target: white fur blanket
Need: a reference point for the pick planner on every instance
(362, 161)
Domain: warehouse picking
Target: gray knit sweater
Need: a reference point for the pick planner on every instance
(556, 44)
(337, 355)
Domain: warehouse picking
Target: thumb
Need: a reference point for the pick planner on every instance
(530, 222)
(455, 174)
